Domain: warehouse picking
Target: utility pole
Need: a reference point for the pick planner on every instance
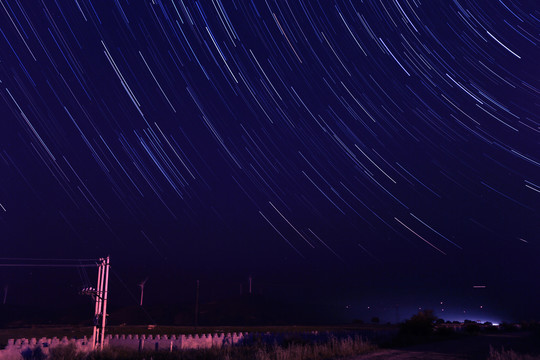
(97, 305)
(99, 294)
(197, 305)
(105, 293)
(250, 279)
(100, 298)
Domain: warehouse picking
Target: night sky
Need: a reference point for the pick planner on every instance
(380, 154)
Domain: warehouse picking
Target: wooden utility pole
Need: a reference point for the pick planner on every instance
(197, 305)
(100, 309)
(99, 294)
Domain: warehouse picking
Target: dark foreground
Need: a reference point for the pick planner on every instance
(365, 330)
(470, 348)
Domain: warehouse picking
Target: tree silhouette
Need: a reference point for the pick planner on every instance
(420, 324)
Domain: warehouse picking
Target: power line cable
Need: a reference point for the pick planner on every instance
(48, 265)
(42, 259)
(41, 262)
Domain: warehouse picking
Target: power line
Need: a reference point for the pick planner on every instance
(99, 293)
(40, 262)
(48, 265)
(41, 259)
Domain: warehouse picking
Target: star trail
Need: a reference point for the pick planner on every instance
(274, 134)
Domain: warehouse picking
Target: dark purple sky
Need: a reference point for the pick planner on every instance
(356, 151)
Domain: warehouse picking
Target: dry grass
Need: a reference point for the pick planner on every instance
(333, 348)
(79, 332)
(509, 355)
(330, 348)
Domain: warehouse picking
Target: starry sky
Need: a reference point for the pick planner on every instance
(365, 152)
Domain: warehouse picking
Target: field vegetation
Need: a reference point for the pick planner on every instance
(294, 342)
(509, 355)
(291, 348)
(81, 331)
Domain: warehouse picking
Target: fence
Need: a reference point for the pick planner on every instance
(180, 342)
(137, 342)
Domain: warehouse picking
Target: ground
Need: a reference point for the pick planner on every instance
(470, 348)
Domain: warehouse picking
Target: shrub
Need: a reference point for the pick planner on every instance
(508, 327)
(444, 331)
(420, 324)
(11, 356)
(63, 352)
(33, 354)
(472, 328)
(490, 329)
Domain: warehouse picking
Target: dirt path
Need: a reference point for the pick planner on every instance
(407, 355)
(468, 348)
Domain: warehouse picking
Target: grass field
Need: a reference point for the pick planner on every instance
(330, 347)
(331, 342)
(79, 332)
